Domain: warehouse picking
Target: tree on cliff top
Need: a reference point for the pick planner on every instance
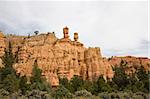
(36, 32)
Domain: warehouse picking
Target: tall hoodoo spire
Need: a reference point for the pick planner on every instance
(76, 37)
(1, 34)
(66, 32)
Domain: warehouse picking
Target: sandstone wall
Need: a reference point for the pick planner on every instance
(2, 47)
(61, 58)
(64, 57)
(132, 64)
(57, 57)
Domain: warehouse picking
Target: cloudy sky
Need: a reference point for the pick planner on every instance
(118, 27)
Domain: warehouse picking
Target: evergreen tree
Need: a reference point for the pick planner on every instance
(95, 89)
(65, 83)
(113, 86)
(8, 61)
(37, 82)
(8, 78)
(36, 73)
(143, 77)
(76, 83)
(24, 86)
(100, 86)
(133, 83)
(120, 78)
(87, 85)
(16, 55)
(36, 32)
(62, 93)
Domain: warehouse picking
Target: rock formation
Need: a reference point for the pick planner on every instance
(59, 57)
(132, 64)
(2, 47)
(2, 44)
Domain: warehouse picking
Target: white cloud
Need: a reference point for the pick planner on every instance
(117, 27)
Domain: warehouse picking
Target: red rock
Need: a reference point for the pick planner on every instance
(64, 57)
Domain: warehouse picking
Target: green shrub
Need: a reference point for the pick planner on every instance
(37, 94)
(4, 94)
(83, 93)
(62, 93)
(140, 95)
(124, 95)
(104, 95)
(114, 95)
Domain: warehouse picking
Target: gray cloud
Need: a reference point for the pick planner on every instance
(119, 28)
(141, 50)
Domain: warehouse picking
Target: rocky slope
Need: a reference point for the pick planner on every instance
(63, 57)
(131, 64)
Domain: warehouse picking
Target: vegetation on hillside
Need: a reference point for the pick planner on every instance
(122, 86)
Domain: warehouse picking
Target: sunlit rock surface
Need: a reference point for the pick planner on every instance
(63, 57)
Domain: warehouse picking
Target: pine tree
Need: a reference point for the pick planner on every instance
(62, 93)
(76, 83)
(8, 78)
(143, 77)
(87, 85)
(120, 78)
(36, 73)
(100, 86)
(133, 83)
(64, 81)
(37, 81)
(24, 86)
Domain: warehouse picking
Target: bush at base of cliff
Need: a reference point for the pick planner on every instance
(4, 94)
(37, 94)
(123, 95)
(104, 95)
(83, 93)
(62, 93)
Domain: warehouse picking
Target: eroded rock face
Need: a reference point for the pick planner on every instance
(60, 57)
(2, 44)
(2, 47)
(96, 65)
(132, 64)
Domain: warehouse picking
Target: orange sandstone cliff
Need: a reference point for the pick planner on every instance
(131, 63)
(63, 57)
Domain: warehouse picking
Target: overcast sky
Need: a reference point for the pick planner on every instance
(119, 28)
